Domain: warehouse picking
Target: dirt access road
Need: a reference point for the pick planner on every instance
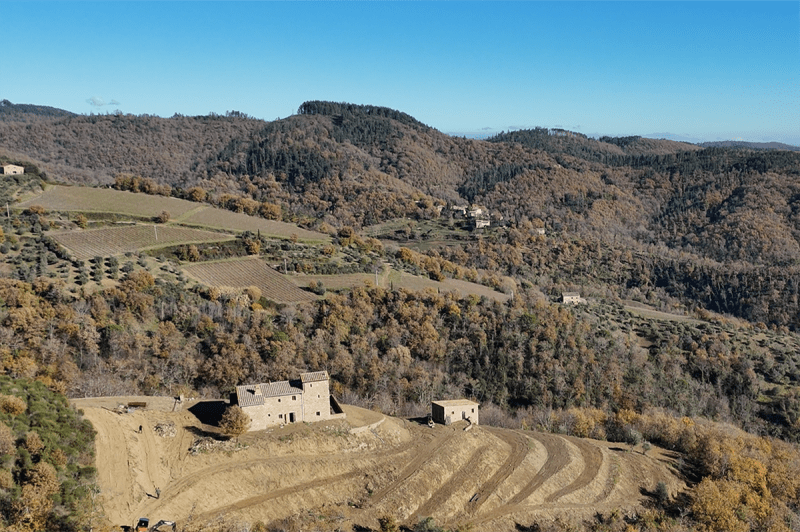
(492, 478)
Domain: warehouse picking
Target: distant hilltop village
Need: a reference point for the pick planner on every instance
(477, 215)
(480, 217)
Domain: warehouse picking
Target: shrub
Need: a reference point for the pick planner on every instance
(35, 209)
(253, 293)
(387, 523)
(235, 422)
(10, 404)
(316, 287)
(7, 441)
(427, 524)
(6, 480)
(662, 493)
(33, 443)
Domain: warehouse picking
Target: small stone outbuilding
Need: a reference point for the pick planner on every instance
(452, 410)
(12, 169)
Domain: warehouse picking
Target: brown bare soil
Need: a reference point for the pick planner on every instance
(206, 216)
(646, 311)
(104, 200)
(340, 477)
(251, 271)
(90, 199)
(397, 279)
(110, 241)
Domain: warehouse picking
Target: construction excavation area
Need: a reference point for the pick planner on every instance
(169, 464)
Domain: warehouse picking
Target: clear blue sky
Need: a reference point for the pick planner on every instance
(704, 70)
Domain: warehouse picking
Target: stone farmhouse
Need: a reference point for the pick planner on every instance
(452, 410)
(572, 298)
(475, 211)
(277, 403)
(12, 169)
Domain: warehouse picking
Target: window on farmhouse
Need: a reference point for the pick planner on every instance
(317, 413)
(294, 398)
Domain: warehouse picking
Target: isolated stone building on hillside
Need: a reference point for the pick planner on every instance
(475, 211)
(12, 169)
(451, 410)
(572, 298)
(459, 209)
(276, 403)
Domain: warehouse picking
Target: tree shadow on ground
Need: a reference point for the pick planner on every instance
(200, 432)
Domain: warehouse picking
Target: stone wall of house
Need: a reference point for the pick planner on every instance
(284, 409)
(258, 417)
(12, 169)
(316, 401)
(441, 412)
(275, 411)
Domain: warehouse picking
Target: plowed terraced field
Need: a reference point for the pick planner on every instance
(111, 241)
(105, 200)
(400, 279)
(251, 271)
(490, 478)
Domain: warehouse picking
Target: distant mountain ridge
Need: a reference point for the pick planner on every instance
(749, 145)
(24, 111)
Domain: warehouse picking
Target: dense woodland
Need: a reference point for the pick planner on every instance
(710, 233)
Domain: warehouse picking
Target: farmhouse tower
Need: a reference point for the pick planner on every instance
(316, 396)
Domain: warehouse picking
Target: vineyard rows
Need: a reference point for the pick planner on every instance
(242, 273)
(87, 199)
(111, 241)
(232, 221)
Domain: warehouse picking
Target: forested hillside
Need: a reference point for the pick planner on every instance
(94, 149)
(710, 235)
(750, 145)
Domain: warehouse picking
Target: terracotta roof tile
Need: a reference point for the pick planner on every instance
(274, 389)
(314, 376)
(247, 395)
(455, 402)
(254, 394)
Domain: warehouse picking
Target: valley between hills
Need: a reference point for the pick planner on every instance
(625, 310)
